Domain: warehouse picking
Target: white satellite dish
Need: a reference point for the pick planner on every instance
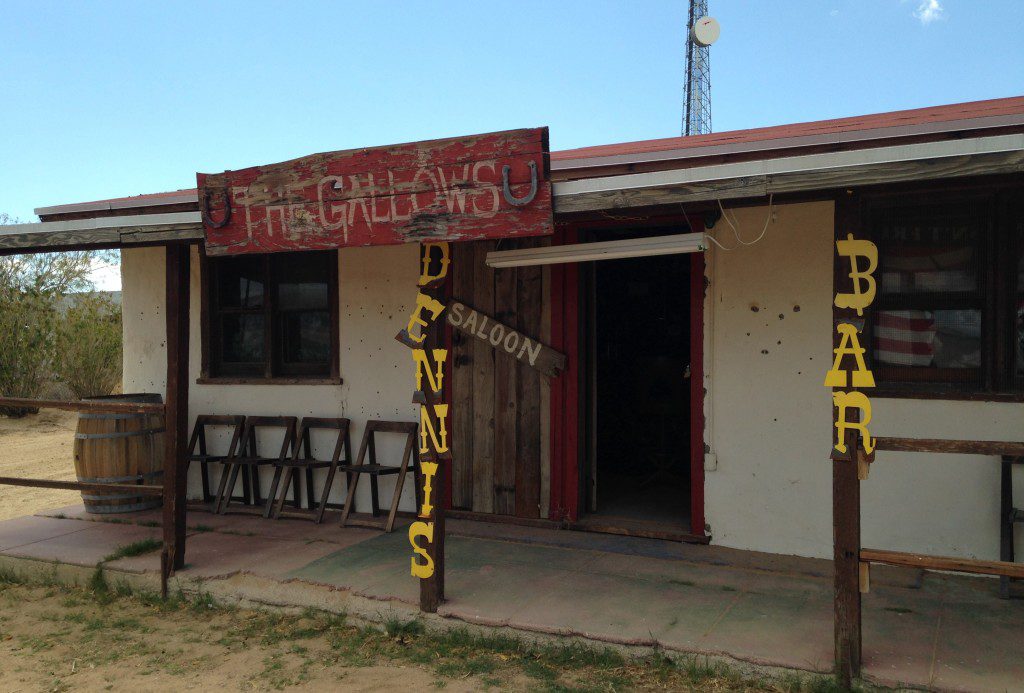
(705, 31)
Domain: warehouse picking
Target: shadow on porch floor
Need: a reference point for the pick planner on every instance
(920, 630)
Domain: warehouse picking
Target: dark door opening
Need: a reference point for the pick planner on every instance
(637, 461)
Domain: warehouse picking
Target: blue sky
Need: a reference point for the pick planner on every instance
(106, 99)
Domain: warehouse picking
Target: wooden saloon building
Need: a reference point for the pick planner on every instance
(682, 292)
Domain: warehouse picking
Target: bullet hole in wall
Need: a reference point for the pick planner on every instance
(796, 309)
(754, 308)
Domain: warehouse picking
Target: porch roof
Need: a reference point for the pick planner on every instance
(976, 138)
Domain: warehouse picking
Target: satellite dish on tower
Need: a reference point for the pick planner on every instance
(705, 31)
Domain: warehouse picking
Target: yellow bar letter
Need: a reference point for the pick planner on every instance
(425, 276)
(849, 344)
(427, 428)
(853, 249)
(428, 470)
(421, 529)
(423, 302)
(435, 376)
(844, 401)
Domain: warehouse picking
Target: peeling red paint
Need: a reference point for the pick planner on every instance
(436, 190)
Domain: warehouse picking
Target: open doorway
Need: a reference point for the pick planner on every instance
(638, 391)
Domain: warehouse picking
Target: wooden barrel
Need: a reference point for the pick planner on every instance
(120, 449)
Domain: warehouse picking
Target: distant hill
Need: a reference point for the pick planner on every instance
(71, 299)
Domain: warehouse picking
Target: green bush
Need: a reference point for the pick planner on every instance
(89, 346)
(28, 319)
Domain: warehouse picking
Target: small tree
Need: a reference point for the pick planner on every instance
(89, 346)
(31, 288)
(27, 323)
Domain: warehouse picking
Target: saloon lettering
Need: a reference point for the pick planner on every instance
(505, 338)
(859, 299)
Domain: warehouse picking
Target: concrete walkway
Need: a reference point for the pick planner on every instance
(919, 630)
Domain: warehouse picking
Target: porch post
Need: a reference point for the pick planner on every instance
(176, 407)
(845, 482)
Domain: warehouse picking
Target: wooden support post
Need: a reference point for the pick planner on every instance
(432, 588)
(176, 404)
(845, 481)
(846, 558)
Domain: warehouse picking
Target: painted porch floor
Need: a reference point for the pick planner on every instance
(919, 630)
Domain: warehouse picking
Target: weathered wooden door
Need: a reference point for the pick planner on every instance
(497, 401)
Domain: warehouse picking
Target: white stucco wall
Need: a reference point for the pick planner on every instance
(377, 289)
(768, 479)
(769, 416)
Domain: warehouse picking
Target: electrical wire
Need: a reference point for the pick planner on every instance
(706, 234)
(736, 232)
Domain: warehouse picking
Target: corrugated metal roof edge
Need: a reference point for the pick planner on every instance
(646, 153)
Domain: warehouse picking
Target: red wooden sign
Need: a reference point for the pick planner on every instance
(461, 189)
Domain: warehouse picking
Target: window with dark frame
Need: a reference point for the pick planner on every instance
(948, 318)
(271, 316)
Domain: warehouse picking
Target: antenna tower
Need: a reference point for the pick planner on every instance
(697, 92)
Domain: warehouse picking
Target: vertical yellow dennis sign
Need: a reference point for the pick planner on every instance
(433, 431)
(840, 378)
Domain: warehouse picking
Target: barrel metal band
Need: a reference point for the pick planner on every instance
(117, 434)
(115, 417)
(113, 509)
(134, 478)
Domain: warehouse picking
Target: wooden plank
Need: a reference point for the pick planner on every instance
(94, 406)
(177, 284)
(812, 172)
(462, 384)
(958, 565)
(449, 189)
(140, 489)
(545, 395)
(529, 299)
(497, 333)
(964, 447)
(845, 484)
(505, 400)
(483, 357)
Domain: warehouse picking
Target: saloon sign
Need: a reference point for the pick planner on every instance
(467, 188)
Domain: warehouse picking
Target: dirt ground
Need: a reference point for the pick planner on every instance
(38, 446)
(58, 638)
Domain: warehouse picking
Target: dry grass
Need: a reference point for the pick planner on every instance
(38, 446)
(107, 638)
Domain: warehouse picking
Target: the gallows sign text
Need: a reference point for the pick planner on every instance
(461, 189)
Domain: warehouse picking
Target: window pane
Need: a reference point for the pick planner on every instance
(933, 253)
(302, 280)
(242, 337)
(1018, 335)
(306, 337)
(925, 338)
(240, 282)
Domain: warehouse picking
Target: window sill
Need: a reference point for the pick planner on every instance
(951, 396)
(254, 380)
